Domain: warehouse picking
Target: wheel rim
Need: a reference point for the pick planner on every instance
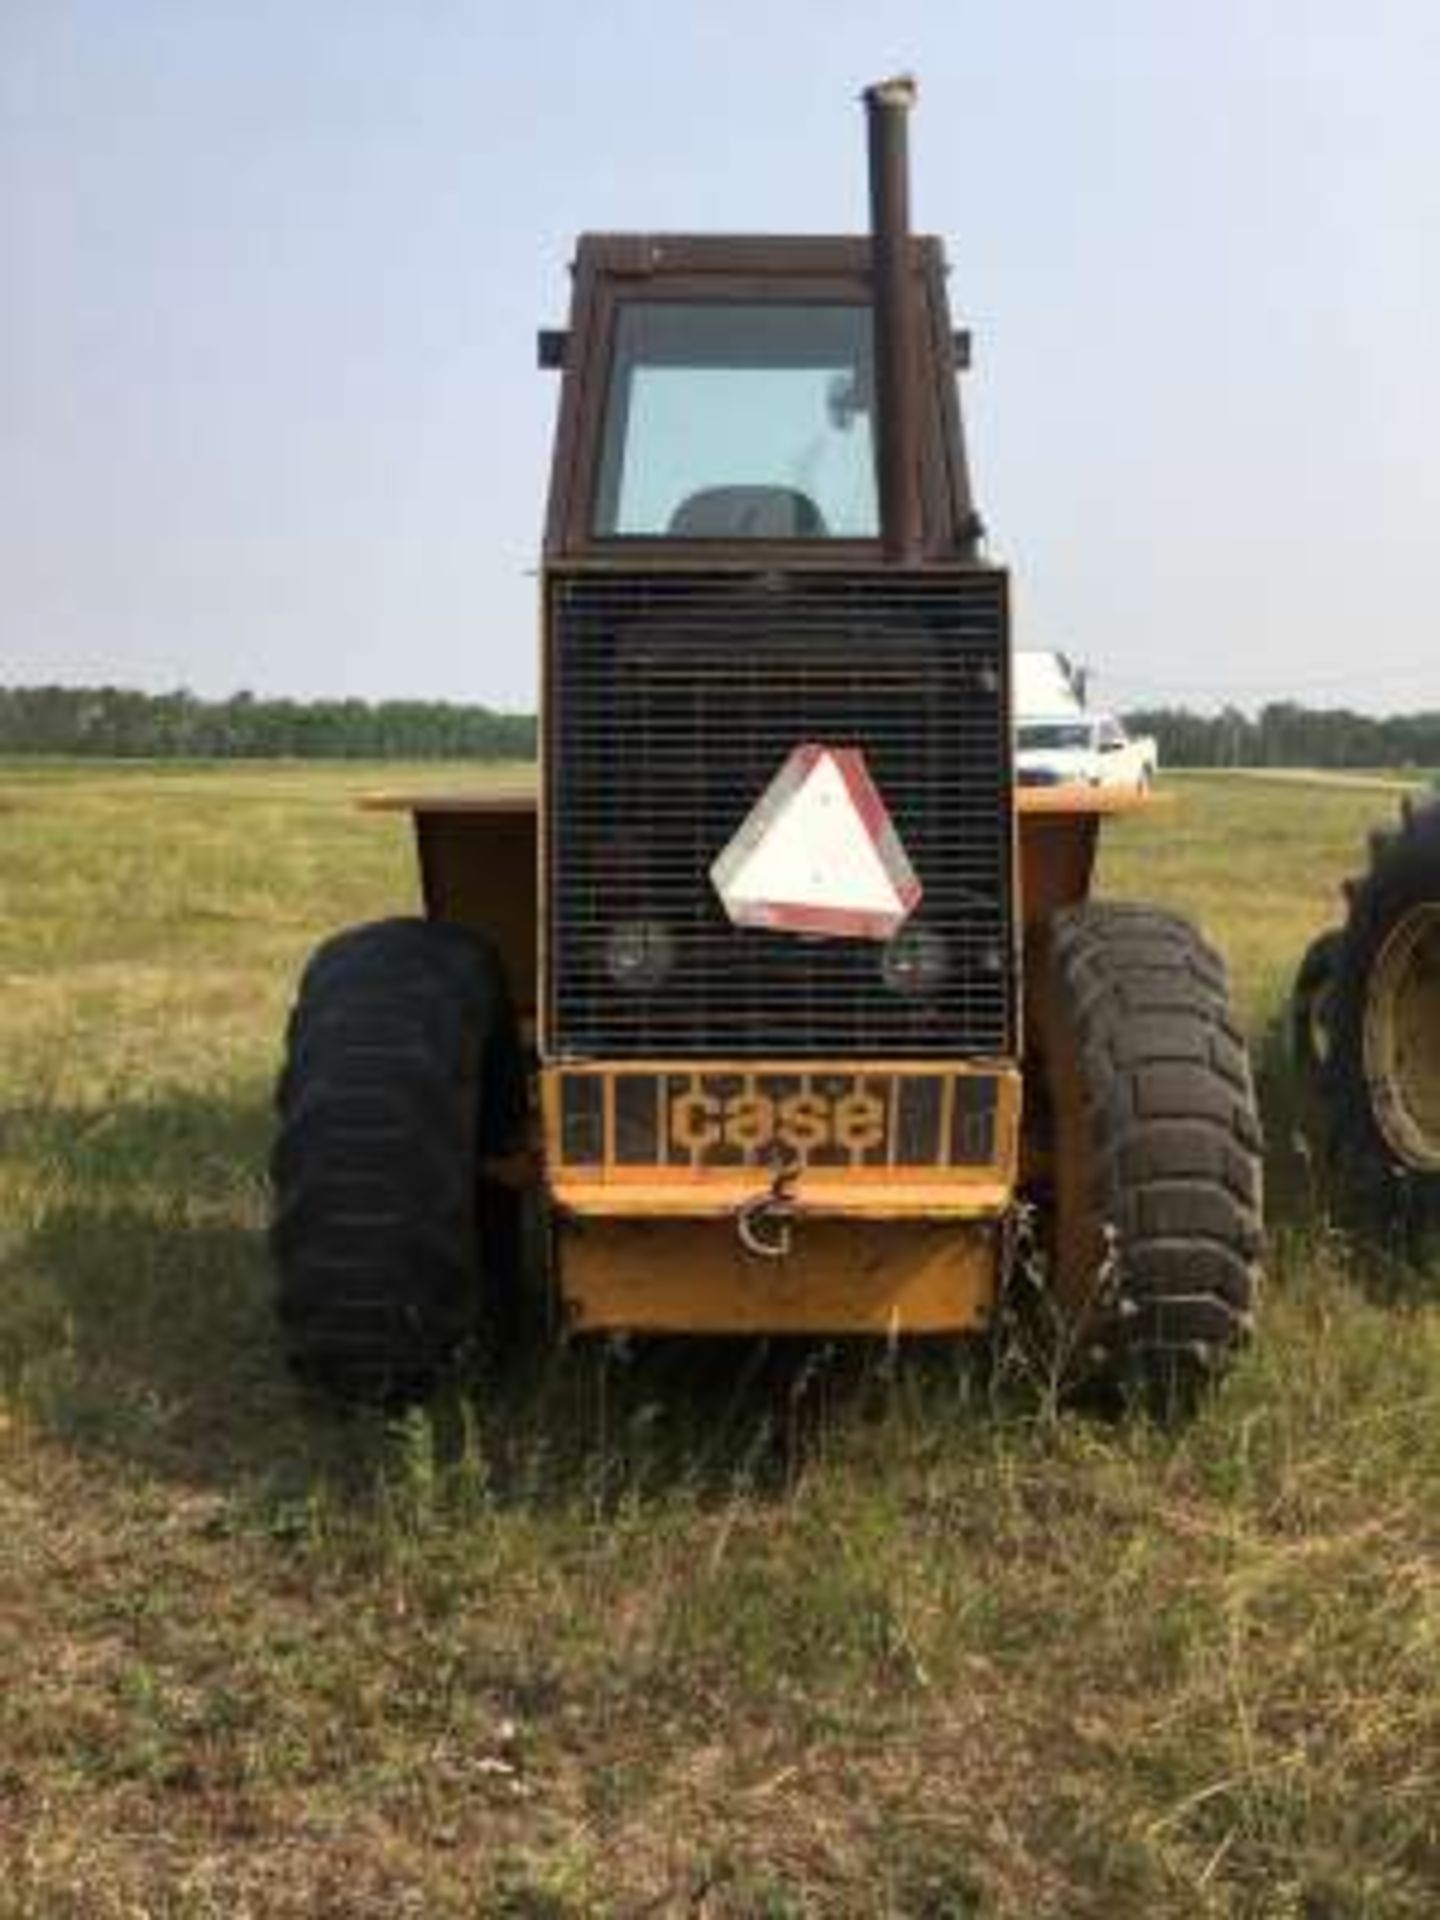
(1402, 1038)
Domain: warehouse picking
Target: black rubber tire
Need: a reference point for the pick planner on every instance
(1377, 1189)
(1309, 1002)
(1151, 1205)
(403, 1072)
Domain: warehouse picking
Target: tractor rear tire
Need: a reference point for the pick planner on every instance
(403, 1073)
(1376, 1075)
(1309, 1004)
(1150, 1200)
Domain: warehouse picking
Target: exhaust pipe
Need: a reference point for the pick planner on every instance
(897, 396)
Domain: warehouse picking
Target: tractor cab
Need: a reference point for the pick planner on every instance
(720, 394)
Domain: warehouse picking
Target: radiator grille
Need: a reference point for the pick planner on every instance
(673, 700)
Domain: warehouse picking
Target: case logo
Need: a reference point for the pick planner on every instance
(854, 1121)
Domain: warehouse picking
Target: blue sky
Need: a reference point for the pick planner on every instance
(272, 271)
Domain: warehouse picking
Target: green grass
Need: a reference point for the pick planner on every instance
(662, 1629)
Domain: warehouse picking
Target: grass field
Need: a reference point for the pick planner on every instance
(708, 1631)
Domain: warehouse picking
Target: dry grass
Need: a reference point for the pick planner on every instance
(664, 1629)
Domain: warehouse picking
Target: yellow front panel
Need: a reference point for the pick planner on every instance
(840, 1277)
(878, 1139)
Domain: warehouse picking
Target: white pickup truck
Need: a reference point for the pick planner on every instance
(1085, 749)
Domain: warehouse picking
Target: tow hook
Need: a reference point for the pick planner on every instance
(766, 1224)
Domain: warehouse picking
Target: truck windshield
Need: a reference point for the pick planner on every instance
(739, 422)
(1048, 736)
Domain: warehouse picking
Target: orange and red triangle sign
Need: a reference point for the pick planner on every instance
(818, 853)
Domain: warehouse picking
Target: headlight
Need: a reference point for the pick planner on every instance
(916, 961)
(639, 954)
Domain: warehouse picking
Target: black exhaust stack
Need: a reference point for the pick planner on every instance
(897, 416)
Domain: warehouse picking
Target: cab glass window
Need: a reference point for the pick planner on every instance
(736, 421)
(1054, 736)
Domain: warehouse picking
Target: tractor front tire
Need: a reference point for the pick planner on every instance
(1149, 1192)
(403, 1073)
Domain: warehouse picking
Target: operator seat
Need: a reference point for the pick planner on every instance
(747, 513)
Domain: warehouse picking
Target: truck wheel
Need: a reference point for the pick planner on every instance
(403, 1072)
(1149, 1194)
(1379, 1078)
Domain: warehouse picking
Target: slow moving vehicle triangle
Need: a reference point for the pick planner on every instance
(818, 853)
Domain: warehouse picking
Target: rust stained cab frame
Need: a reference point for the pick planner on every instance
(805, 270)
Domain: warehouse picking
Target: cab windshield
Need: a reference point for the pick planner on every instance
(739, 422)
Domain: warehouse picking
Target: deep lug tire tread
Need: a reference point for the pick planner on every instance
(1375, 1190)
(403, 1070)
(1314, 981)
(1156, 1147)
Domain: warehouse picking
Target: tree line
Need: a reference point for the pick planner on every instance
(1285, 734)
(118, 722)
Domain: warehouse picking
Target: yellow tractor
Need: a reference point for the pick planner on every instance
(789, 1004)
